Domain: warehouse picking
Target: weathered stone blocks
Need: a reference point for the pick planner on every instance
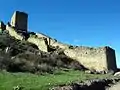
(99, 59)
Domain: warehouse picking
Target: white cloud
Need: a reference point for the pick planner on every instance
(76, 42)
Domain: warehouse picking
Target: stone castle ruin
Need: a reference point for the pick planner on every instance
(19, 21)
(99, 59)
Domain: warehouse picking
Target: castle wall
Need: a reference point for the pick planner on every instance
(52, 41)
(99, 59)
(93, 58)
(13, 33)
(40, 42)
(19, 20)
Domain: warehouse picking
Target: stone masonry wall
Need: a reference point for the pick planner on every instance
(94, 58)
(52, 41)
(40, 42)
(13, 33)
(99, 59)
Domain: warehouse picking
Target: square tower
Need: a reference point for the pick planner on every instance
(19, 21)
(2, 26)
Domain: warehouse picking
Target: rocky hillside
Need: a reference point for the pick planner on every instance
(22, 56)
(95, 84)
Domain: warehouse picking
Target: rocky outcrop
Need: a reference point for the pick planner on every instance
(115, 87)
(96, 84)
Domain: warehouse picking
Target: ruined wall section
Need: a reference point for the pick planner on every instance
(52, 41)
(92, 58)
(13, 33)
(99, 59)
(40, 42)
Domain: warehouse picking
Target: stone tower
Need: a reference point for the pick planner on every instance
(19, 21)
(2, 25)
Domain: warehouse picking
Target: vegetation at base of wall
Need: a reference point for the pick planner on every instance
(50, 69)
(21, 56)
(28, 81)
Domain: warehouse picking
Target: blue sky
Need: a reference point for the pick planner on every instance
(77, 22)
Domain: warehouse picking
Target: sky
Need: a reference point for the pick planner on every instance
(78, 22)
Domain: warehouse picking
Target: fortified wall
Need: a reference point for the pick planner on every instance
(99, 59)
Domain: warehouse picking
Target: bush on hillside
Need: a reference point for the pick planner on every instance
(22, 56)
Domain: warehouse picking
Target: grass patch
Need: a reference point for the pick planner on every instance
(42, 82)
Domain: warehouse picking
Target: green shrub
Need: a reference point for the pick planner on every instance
(25, 57)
